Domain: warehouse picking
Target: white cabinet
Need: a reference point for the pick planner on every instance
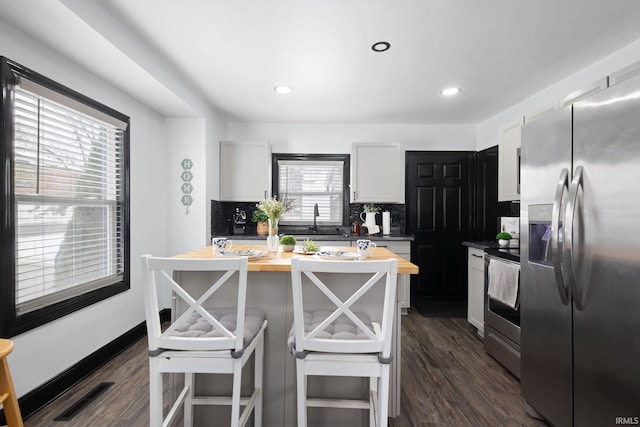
(256, 242)
(245, 171)
(509, 162)
(375, 173)
(300, 241)
(402, 249)
(475, 289)
(328, 243)
(593, 88)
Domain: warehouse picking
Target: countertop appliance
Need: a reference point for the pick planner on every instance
(501, 321)
(580, 260)
(239, 222)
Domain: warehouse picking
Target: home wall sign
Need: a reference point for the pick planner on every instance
(187, 187)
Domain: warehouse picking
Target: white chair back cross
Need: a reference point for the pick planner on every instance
(367, 335)
(178, 336)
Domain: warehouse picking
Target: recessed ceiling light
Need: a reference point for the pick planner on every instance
(451, 91)
(380, 46)
(283, 89)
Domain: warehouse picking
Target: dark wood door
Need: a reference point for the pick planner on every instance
(485, 223)
(438, 200)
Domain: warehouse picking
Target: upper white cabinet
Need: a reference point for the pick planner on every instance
(624, 74)
(245, 171)
(509, 162)
(375, 173)
(587, 91)
(402, 249)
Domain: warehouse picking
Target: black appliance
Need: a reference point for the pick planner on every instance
(239, 221)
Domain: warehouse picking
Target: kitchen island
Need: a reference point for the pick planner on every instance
(269, 287)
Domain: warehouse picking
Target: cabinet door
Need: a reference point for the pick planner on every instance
(509, 163)
(375, 173)
(475, 303)
(245, 171)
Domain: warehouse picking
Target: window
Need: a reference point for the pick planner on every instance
(65, 208)
(311, 179)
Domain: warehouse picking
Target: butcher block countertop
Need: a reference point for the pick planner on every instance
(281, 261)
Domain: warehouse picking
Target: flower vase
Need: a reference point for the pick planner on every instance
(272, 239)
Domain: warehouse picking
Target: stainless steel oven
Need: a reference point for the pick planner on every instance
(501, 325)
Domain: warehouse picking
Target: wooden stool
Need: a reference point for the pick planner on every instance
(8, 397)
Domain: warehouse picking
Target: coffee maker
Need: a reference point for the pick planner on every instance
(239, 221)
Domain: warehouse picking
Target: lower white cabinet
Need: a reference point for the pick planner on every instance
(263, 242)
(257, 242)
(475, 289)
(402, 249)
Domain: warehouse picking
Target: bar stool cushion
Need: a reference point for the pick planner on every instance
(196, 326)
(342, 328)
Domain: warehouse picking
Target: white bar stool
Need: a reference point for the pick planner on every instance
(203, 340)
(334, 340)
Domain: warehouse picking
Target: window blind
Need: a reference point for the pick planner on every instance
(68, 186)
(308, 182)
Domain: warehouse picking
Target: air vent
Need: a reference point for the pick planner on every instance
(84, 401)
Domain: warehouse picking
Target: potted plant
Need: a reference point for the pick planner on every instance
(287, 242)
(262, 222)
(310, 246)
(368, 207)
(503, 239)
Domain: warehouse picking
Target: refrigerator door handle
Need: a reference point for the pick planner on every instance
(567, 248)
(556, 244)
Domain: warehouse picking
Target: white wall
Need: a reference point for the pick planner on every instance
(337, 138)
(488, 131)
(186, 228)
(199, 139)
(45, 352)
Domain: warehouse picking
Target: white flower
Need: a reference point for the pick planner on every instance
(275, 208)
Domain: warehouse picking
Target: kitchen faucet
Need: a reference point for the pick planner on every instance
(316, 213)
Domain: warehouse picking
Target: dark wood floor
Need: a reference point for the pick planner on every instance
(447, 380)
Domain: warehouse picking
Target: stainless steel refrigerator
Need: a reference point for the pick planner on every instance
(580, 261)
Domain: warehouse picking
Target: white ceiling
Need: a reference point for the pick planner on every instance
(177, 56)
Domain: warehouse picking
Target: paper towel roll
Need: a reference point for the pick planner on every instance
(386, 223)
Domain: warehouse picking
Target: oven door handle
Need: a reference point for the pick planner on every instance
(488, 258)
(556, 245)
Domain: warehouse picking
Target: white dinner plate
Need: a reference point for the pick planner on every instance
(337, 255)
(251, 253)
